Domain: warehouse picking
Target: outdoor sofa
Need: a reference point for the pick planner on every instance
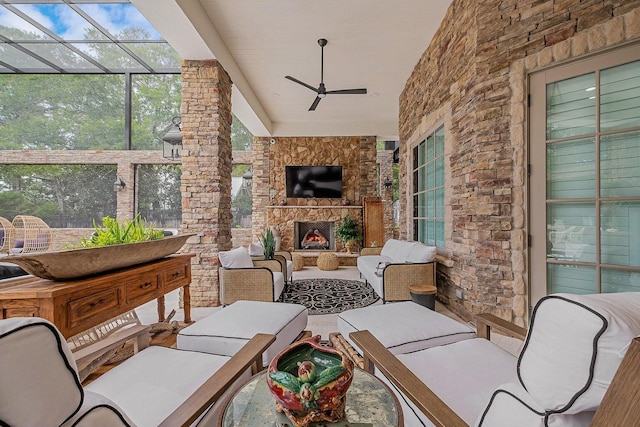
(392, 268)
(571, 352)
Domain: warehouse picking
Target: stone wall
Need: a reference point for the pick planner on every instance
(476, 67)
(356, 155)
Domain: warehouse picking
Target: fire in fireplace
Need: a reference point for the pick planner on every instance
(314, 236)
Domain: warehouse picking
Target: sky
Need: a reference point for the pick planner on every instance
(66, 23)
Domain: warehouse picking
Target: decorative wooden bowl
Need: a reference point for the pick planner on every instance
(77, 263)
(309, 382)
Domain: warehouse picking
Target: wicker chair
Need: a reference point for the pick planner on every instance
(32, 234)
(286, 259)
(262, 282)
(7, 235)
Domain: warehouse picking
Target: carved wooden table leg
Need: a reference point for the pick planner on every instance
(161, 309)
(186, 296)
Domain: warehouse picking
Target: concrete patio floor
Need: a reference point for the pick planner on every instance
(321, 325)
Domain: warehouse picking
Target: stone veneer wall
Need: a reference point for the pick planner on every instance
(476, 68)
(356, 155)
(206, 173)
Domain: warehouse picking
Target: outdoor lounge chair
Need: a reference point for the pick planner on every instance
(39, 384)
(571, 352)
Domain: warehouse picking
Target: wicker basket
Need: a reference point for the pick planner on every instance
(328, 261)
(7, 235)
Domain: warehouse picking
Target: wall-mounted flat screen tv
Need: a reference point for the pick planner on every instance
(314, 181)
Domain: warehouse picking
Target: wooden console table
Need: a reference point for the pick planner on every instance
(77, 305)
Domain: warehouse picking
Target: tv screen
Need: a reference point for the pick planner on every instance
(314, 181)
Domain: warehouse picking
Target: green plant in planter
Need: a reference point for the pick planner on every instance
(268, 243)
(349, 231)
(113, 232)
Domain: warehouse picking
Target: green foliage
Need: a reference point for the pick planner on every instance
(62, 195)
(348, 230)
(268, 243)
(241, 138)
(113, 232)
(159, 197)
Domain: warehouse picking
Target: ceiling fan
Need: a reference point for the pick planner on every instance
(321, 90)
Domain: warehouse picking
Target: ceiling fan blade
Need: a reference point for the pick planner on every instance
(315, 103)
(293, 79)
(348, 91)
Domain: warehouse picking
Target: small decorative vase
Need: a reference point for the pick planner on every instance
(351, 246)
(309, 382)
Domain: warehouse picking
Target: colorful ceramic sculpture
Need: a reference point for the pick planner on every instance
(309, 382)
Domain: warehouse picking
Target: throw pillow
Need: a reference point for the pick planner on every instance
(256, 249)
(235, 258)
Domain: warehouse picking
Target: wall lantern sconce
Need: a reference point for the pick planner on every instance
(172, 141)
(247, 178)
(388, 183)
(118, 185)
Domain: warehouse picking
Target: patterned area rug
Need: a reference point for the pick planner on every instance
(329, 296)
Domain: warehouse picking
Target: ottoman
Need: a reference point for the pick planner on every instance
(228, 329)
(298, 262)
(403, 327)
(328, 261)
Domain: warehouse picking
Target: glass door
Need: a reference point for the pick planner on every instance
(584, 189)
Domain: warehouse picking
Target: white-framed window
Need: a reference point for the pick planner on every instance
(585, 179)
(428, 189)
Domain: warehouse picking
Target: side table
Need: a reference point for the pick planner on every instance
(369, 402)
(424, 295)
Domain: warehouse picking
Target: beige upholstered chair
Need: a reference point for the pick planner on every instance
(39, 384)
(245, 278)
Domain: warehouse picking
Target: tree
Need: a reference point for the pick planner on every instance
(241, 138)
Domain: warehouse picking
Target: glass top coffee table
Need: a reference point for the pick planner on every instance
(370, 403)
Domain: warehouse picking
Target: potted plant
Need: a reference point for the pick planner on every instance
(268, 243)
(349, 231)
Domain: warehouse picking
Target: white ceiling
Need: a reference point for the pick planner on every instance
(372, 44)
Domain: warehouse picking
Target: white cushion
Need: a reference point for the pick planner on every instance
(397, 250)
(39, 383)
(278, 285)
(256, 249)
(228, 329)
(235, 258)
(367, 266)
(463, 374)
(422, 253)
(413, 326)
(98, 410)
(574, 347)
(511, 405)
(153, 383)
(289, 270)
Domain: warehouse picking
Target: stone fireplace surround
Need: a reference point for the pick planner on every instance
(283, 218)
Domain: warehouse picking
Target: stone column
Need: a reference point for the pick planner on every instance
(385, 160)
(206, 173)
(261, 188)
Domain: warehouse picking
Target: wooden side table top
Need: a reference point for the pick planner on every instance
(423, 289)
